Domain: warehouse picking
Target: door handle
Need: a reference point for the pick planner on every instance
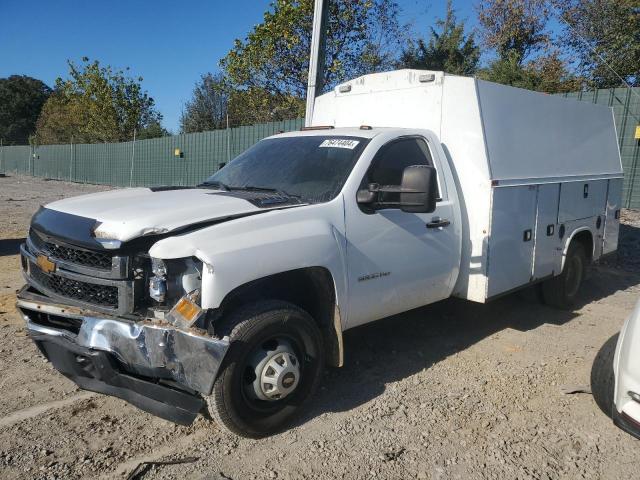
(441, 222)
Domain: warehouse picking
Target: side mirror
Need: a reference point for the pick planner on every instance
(419, 189)
(366, 197)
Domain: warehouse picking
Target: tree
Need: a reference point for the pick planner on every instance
(362, 36)
(96, 104)
(207, 109)
(257, 105)
(449, 49)
(605, 37)
(547, 73)
(153, 130)
(515, 29)
(21, 100)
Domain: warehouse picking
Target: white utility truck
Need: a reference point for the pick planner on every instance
(230, 297)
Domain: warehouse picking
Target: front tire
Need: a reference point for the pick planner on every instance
(602, 376)
(561, 291)
(273, 365)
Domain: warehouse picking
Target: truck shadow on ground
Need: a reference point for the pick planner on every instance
(10, 246)
(400, 346)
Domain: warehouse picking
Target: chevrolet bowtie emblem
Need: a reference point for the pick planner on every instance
(46, 265)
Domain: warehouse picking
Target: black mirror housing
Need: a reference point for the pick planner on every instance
(419, 189)
(366, 197)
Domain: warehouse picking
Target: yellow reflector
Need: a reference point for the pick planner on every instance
(187, 309)
(637, 136)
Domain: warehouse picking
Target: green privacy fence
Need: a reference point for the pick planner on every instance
(153, 162)
(626, 109)
(176, 160)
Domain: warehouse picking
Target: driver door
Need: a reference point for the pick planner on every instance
(396, 260)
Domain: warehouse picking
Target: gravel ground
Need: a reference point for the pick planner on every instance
(453, 390)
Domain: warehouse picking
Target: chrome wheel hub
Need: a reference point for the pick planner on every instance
(277, 371)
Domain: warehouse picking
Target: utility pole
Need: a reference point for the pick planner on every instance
(133, 154)
(316, 58)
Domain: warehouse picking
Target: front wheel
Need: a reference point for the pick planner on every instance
(273, 365)
(561, 291)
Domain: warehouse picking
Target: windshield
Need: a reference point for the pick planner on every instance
(313, 168)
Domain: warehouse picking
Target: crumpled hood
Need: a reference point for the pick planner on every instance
(130, 213)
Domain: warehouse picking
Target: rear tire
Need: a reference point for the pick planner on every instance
(273, 365)
(561, 291)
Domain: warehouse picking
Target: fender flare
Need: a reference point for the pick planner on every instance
(565, 248)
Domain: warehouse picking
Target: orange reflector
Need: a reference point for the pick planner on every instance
(187, 309)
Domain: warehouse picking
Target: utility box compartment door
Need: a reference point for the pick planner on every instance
(582, 200)
(511, 240)
(611, 223)
(547, 256)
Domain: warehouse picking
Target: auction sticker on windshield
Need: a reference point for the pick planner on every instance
(340, 143)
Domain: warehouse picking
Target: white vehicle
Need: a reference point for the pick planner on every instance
(412, 187)
(626, 369)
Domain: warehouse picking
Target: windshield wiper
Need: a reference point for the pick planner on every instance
(253, 188)
(214, 184)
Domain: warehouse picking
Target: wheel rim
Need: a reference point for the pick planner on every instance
(274, 371)
(574, 276)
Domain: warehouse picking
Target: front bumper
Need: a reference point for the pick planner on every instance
(626, 369)
(626, 423)
(153, 365)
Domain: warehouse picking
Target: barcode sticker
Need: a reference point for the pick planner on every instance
(339, 143)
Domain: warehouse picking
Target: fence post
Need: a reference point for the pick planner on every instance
(2, 157)
(71, 162)
(133, 154)
(228, 141)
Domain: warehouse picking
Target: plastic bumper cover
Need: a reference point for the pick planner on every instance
(626, 368)
(136, 361)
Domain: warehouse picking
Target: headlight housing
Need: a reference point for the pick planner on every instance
(173, 279)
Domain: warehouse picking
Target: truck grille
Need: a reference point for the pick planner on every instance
(102, 295)
(78, 256)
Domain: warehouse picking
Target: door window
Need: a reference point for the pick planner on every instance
(389, 163)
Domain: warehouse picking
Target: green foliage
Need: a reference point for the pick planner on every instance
(95, 104)
(515, 29)
(21, 100)
(207, 109)
(605, 36)
(448, 49)
(153, 130)
(257, 105)
(544, 74)
(271, 64)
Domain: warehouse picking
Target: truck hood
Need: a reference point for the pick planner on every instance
(134, 212)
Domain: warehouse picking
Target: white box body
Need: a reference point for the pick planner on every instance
(522, 160)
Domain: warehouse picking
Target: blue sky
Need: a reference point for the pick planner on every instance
(169, 43)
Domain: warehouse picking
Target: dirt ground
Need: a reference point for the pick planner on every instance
(454, 390)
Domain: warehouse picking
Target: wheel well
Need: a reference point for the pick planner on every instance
(585, 238)
(312, 289)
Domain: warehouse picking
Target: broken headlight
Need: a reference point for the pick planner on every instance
(172, 279)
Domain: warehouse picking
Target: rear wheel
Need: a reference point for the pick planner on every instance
(561, 291)
(273, 365)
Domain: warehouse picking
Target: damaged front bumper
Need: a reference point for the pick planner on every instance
(151, 364)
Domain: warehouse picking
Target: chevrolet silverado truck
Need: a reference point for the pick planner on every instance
(230, 297)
